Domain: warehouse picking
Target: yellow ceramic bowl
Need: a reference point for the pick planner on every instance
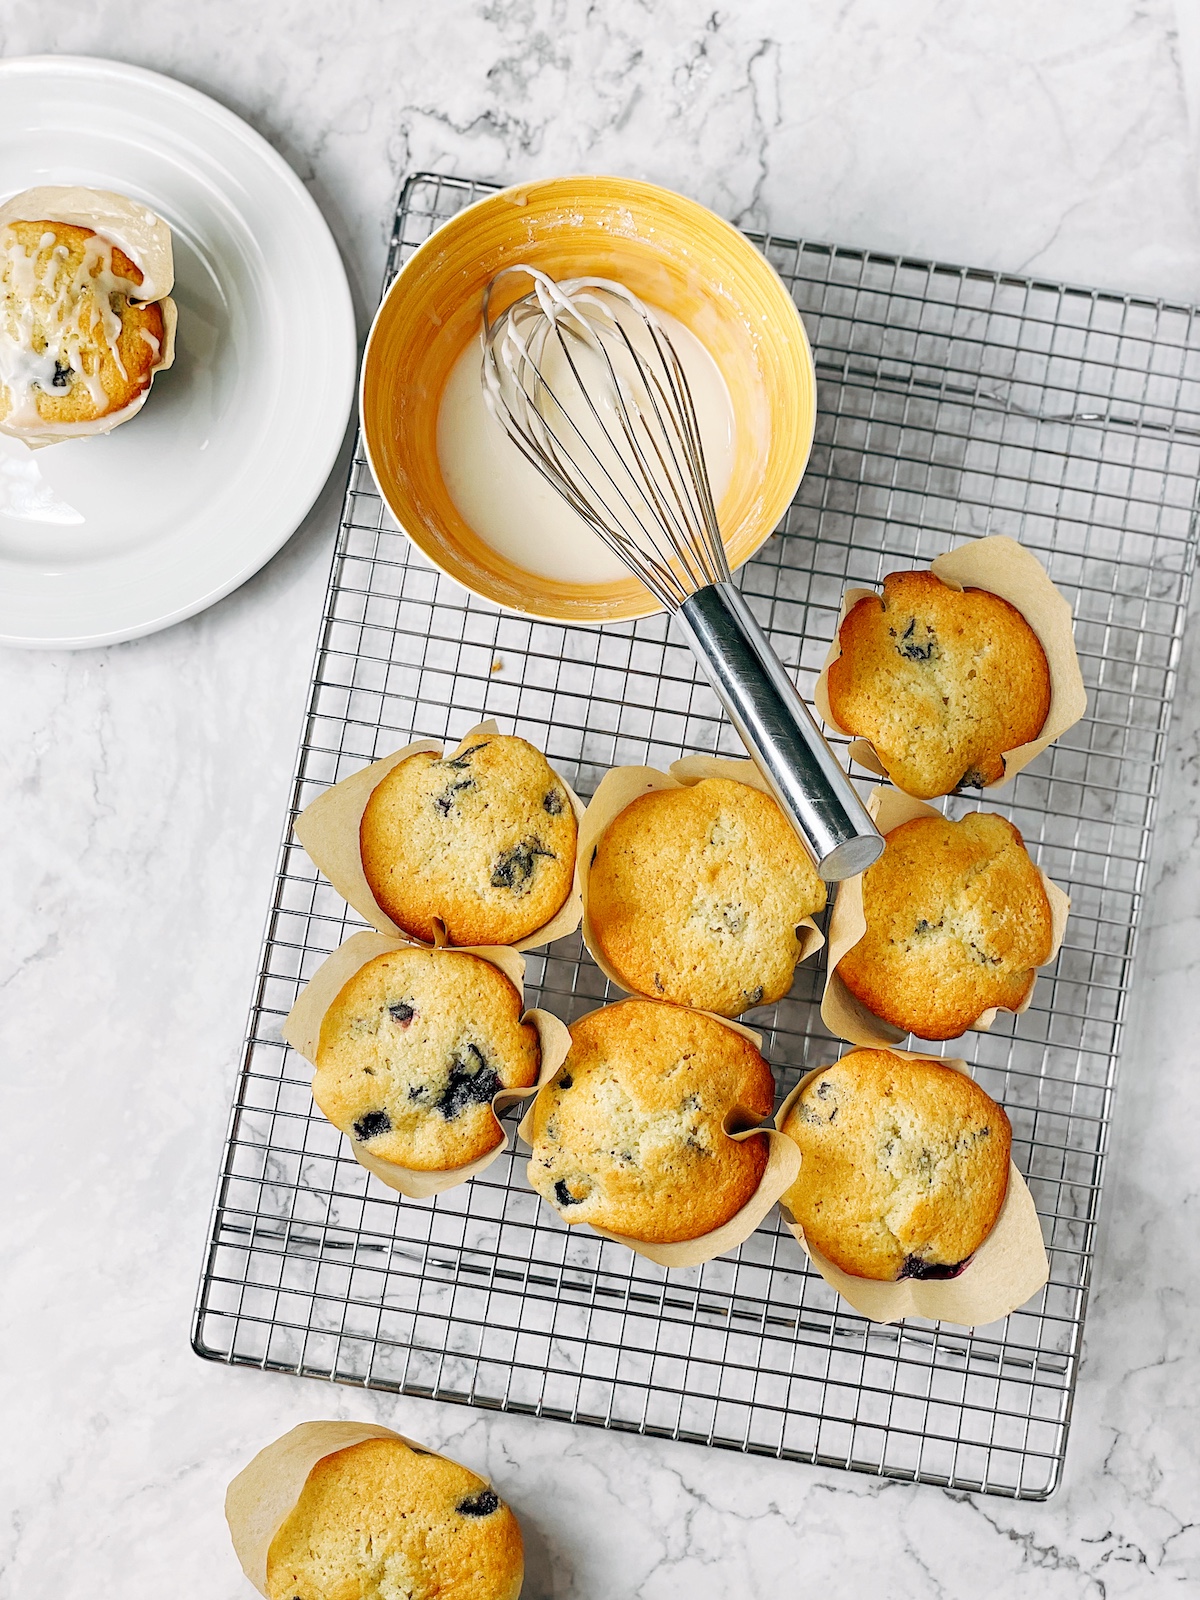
(673, 253)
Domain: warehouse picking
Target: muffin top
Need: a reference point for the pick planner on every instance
(412, 1051)
(904, 1165)
(482, 840)
(382, 1521)
(73, 345)
(940, 682)
(631, 1134)
(957, 921)
(694, 895)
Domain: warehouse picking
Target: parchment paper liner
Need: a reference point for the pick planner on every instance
(847, 1016)
(146, 240)
(783, 1165)
(302, 1030)
(1004, 567)
(328, 830)
(1008, 1269)
(264, 1494)
(619, 787)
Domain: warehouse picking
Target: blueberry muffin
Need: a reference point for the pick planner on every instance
(76, 345)
(632, 1134)
(904, 1166)
(695, 894)
(940, 682)
(384, 1521)
(957, 922)
(482, 840)
(412, 1051)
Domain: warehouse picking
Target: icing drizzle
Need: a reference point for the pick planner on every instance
(54, 318)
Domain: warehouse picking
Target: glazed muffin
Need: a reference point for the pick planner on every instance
(904, 1166)
(482, 840)
(76, 346)
(695, 894)
(412, 1051)
(382, 1521)
(957, 922)
(940, 682)
(632, 1134)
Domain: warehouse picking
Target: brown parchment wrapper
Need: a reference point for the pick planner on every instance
(845, 1015)
(1001, 566)
(783, 1165)
(619, 787)
(264, 1494)
(1008, 1269)
(328, 830)
(302, 1030)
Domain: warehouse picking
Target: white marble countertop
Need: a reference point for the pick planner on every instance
(143, 789)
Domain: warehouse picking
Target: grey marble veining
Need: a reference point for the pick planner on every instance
(143, 789)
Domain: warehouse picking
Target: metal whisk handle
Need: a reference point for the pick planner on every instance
(778, 730)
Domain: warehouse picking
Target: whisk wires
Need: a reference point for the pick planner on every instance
(586, 383)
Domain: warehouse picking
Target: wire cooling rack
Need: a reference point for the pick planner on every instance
(954, 403)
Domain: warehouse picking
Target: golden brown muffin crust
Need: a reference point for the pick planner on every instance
(631, 1136)
(381, 1521)
(941, 683)
(412, 1051)
(957, 922)
(482, 840)
(904, 1165)
(138, 344)
(695, 894)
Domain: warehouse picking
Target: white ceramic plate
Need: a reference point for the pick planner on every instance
(107, 538)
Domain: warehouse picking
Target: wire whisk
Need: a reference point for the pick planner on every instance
(585, 381)
(651, 501)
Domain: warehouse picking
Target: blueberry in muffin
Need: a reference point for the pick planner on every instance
(413, 1050)
(381, 1520)
(696, 894)
(904, 1168)
(482, 841)
(958, 921)
(632, 1135)
(941, 682)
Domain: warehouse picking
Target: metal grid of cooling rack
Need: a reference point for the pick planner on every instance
(954, 403)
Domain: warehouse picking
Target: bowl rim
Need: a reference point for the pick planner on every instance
(537, 610)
